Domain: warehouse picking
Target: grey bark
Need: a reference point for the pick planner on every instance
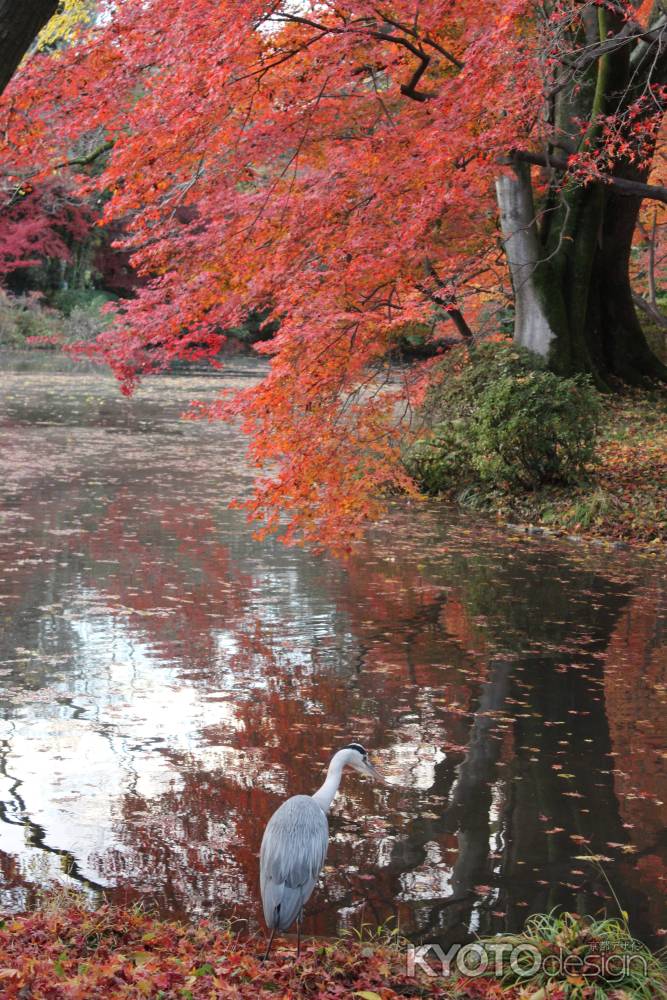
(517, 220)
(20, 23)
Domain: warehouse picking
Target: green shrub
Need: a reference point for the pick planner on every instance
(581, 958)
(497, 417)
(23, 317)
(465, 372)
(491, 361)
(10, 335)
(89, 300)
(441, 459)
(535, 428)
(656, 336)
(26, 322)
(84, 324)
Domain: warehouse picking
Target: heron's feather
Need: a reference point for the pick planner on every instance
(293, 850)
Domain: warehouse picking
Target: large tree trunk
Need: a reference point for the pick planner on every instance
(570, 261)
(612, 315)
(519, 229)
(574, 303)
(20, 23)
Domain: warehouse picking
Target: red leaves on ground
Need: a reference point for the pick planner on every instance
(72, 954)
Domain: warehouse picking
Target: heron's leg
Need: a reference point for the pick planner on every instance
(298, 936)
(268, 947)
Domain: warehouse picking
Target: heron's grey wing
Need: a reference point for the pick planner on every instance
(293, 850)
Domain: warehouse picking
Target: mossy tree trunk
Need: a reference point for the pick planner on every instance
(569, 255)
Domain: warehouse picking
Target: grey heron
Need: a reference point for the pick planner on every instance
(295, 843)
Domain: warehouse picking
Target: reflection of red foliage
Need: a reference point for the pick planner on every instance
(416, 648)
(456, 619)
(635, 682)
(195, 609)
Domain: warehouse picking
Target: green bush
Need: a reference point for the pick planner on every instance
(535, 428)
(498, 417)
(442, 459)
(656, 336)
(26, 322)
(10, 334)
(84, 324)
(23, 317)
(580, 957)
(89, 300)
(465, 372)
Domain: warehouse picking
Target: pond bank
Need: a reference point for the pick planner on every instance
(65, 952)
(623, 504)
(625, 501)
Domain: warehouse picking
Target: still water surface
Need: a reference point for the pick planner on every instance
(166, 680)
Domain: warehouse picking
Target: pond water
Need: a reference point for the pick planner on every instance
(166, 681)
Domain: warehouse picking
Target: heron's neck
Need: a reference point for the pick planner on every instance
(325, 795)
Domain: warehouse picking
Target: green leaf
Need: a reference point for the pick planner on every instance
(141, 957)
(204, 970)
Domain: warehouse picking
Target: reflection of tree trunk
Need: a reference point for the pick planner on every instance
(15, 813)
(546, 796)
(20, 23)
(470, 803)
(468, 812)
(561, 721)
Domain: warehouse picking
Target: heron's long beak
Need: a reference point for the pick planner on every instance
(376, 775)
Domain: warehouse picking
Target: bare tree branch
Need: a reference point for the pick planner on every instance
(621, 184)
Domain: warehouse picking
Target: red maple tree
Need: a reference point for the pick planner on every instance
(36, 224)
(338, 165)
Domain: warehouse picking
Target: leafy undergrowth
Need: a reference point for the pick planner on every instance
(65, 952)
(565, 956)
(73, 954)
(625, 499)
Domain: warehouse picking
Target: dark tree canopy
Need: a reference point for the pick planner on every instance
(20, 23)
